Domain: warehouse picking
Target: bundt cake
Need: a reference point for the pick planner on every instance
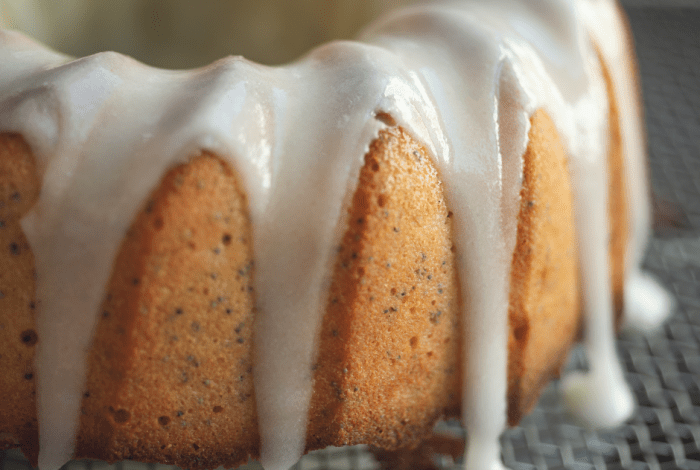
(240, 261)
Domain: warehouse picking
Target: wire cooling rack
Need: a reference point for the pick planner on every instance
(663, 368)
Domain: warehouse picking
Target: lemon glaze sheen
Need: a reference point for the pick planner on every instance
(463, 78)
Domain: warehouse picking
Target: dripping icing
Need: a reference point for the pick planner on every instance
(435, 69)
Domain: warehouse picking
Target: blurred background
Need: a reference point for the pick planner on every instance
(663, 368)
(186, 34)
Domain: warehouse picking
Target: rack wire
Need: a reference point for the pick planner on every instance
(663, 368)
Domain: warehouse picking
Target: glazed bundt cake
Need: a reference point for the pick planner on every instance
(203, 267)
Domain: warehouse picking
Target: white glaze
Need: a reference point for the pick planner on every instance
(647, 303)
(609, 28)
(601, 398)
(463, 78)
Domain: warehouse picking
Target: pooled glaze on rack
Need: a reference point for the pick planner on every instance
(463, 78)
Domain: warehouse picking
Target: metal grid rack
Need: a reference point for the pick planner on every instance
(663, 368)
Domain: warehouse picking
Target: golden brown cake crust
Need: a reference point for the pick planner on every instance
(390, 344)
(170, 369)
(19, 189)
(544, 297)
